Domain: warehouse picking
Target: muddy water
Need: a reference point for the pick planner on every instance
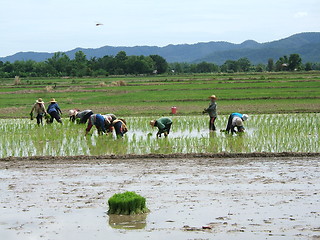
(270, 198)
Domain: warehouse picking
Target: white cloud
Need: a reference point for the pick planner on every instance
(301, 14)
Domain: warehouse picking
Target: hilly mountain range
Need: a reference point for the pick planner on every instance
(307, 45)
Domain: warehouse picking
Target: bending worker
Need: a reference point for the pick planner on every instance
(84, 115)
(120, 126)
(236, 120)
(163, 124)
(102, 123)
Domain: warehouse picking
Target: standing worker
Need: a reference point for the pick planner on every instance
(163, 124)
(236, 120)
(54, 111)
(39, 109)
(212, 111)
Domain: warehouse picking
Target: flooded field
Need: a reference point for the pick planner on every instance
(264, 133)
(189, 198)
(250, 191)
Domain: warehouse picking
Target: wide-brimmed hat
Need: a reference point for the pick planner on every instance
(239, 122)
(53, 100)
(213, 97)
(152, 122)
(73, 112)
(39, 100)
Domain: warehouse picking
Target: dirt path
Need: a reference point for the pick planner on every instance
(235, 198)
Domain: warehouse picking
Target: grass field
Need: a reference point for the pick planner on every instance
(155, 95)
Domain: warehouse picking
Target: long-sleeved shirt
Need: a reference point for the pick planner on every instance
(233, 118)
(83, 113)
(54, 107)
(163, 123)
(212, 109)
(98, 120)
(38, 108)
(236, 115)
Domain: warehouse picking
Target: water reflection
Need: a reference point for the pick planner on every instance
(137, 221)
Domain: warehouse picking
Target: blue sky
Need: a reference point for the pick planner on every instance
(62, 25)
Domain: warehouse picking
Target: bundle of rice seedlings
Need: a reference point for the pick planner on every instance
(47, 117)
(127, 203)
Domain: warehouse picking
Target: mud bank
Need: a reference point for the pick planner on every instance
(190, 196)
(174, 155)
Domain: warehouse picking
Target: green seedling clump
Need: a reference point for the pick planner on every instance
(127, 203)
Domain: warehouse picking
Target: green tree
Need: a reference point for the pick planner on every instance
(243, 64)
(60, 64)
(120, 62)
(160, 64)
(282, 64)
(139, 65)
(294, 62)
(260, 68)
(308, 66)
(230, 66)
(270, 66)
(80, 64)
(205, 67)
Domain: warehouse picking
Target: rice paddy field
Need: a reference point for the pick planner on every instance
(253, 93)
(189, 134)
(56, 181)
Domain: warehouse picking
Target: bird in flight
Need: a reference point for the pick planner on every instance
(99, 24)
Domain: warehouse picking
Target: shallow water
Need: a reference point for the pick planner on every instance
(264, 133)
(237, 198)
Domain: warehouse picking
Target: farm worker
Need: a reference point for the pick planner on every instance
(72, 114)
(101, 123)
(163, 124)
(212, 111)
(236, 120)
(54, 111)
(120, 126)
(109, 119)
(39, 109)
(110, 116)
(83, 116)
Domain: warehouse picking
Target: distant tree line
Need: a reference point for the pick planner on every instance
(61, 65)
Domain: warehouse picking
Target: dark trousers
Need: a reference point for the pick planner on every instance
(229, 124)
(168, 127)
(39, 118)
(211, 123)
(56, 116)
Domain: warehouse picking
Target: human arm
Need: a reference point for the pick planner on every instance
(32, 109)
(58, 109)
(90, 124)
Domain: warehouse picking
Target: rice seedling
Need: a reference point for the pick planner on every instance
(189, 134)
(127, 203)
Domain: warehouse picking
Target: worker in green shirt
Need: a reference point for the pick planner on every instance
(163, 124)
